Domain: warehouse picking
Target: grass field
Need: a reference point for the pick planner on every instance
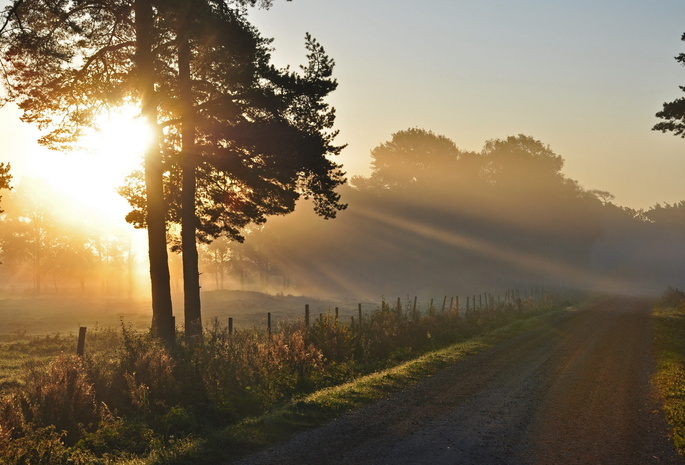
(669, 345)
(130, 396)
(50, 314)
(38, 328)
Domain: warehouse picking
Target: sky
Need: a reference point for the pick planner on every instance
(584, 77)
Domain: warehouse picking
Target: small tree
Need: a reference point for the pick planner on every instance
(673, 112)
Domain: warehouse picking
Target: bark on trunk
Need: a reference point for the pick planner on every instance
(162, 314)
(191, 274)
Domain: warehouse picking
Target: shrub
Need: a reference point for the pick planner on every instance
(61, 396)
(136, 396)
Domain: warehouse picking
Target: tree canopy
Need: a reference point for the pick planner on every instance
(237, 138)
(673, 113)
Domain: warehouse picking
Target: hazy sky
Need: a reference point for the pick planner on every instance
(585, 77)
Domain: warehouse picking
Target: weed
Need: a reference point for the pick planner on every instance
(132, 396)
(669, 344)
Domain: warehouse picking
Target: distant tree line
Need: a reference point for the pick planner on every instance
(431, 216)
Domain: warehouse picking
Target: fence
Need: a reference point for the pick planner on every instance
(481, 306)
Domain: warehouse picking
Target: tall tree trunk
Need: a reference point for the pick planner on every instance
(162, 314)
(191, 273)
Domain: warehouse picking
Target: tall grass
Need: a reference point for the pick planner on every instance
(135, 397)
(669, 344)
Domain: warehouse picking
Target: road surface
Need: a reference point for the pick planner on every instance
(576, 391)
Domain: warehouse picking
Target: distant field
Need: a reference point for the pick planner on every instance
(51, 314)
(36, 329)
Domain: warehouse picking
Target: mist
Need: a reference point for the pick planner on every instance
(432, 219)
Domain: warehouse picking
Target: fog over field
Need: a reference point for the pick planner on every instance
(430, 221)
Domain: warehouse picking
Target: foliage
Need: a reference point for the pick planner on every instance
(410, 156)
(456, 218)
(133, 395)
(37, 244)
(242, 175)
(5, 177)
(673, 113)
(62, 67)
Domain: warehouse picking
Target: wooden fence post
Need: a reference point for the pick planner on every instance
(230, 325)
(80, 346)
(306, 315)
(361, 322)
(268, 322)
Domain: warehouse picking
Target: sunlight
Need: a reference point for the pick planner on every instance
(109, 153)
(559, 271)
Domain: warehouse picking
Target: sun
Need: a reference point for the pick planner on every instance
(109, 151)
(113, 149)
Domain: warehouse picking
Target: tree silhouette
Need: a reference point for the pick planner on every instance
(184, 63)
(673, 113)
(250, 139)
(64, 63)
(411, 156)
(5, 177)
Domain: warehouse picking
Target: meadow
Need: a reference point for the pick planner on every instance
(131, 399)
(669, 328)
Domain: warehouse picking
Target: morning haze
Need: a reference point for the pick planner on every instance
(258, 236)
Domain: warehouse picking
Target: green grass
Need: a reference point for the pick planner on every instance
(20, 350)
(669, 345)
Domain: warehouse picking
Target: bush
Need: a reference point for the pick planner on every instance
(61, 396)
(137, 396)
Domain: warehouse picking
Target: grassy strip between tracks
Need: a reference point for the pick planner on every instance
(669, 345)
(315, 409)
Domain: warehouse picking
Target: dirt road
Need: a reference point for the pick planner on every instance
(574, 392)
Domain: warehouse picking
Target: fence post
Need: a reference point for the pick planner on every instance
(360, 316)
(336, 315)
(306, 315)
(80, 346)
(268, 322)
(444, 302)
(230, 325)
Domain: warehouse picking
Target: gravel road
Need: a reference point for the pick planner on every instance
(576, 391)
